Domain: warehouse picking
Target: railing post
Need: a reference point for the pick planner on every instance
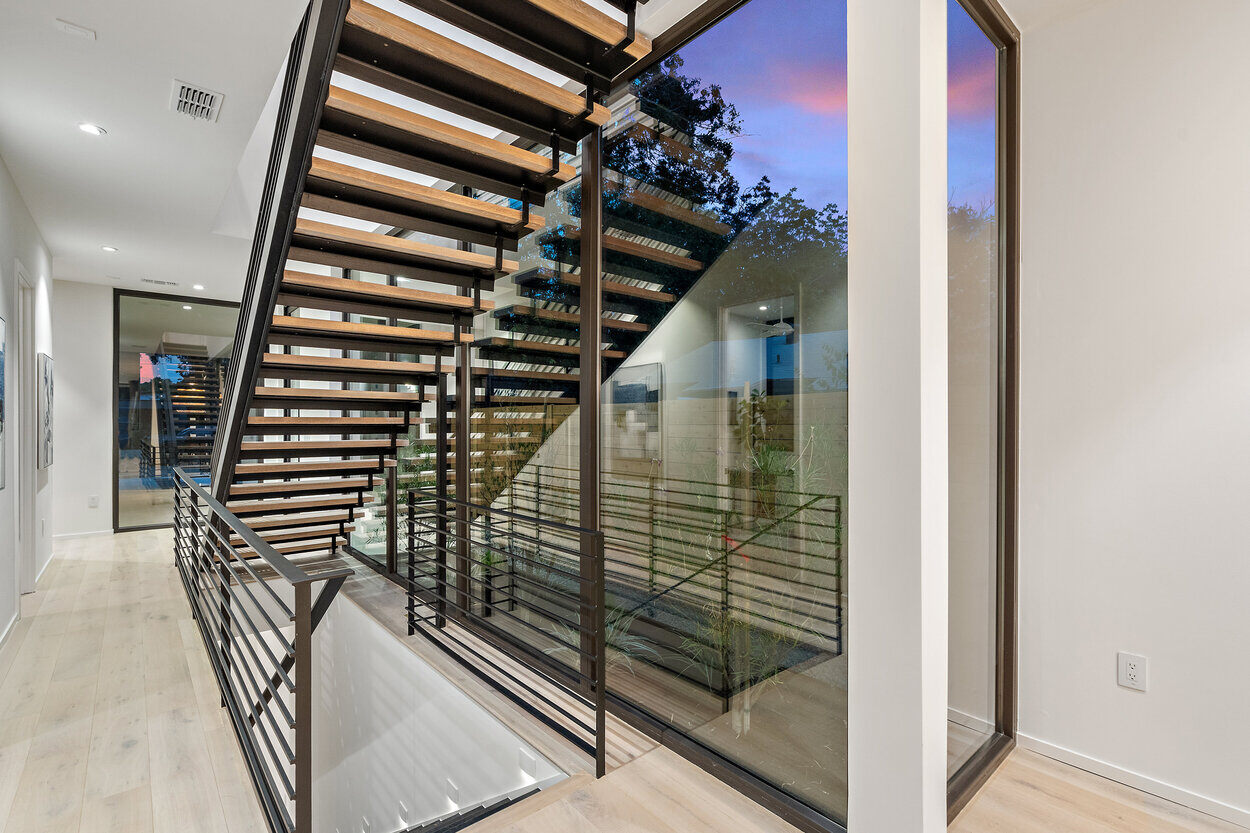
(392, 522)
(601, 658)
(590, 376)
(412, 555)
(303, 708)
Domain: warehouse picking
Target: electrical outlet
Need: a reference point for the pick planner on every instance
(1133, 671)
(93, 502)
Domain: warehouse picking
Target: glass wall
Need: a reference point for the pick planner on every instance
(974, 321)
(170, 361)
(724, 405)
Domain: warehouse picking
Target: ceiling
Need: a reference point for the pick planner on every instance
(163, 189)
(152, 186)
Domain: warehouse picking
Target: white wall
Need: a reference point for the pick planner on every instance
(897, 301)
(83, 418)
(20, 240)
(1135, 391)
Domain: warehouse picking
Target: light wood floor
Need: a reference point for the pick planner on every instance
(1034, 794)
(109, 717)
(110, 723)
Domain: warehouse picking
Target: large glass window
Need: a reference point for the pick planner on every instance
(975, 305)
(724, 483)
(171, 357)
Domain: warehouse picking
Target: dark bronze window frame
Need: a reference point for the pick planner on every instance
(1000, 30)
(964, 784)
(118, 294)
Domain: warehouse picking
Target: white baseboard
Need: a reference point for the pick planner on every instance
(966, 720)
(8, 629)
(1178, 795)
(65, 536)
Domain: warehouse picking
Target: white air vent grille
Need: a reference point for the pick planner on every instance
(155, 282)
(193, 101)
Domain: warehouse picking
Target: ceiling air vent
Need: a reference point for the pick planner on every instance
(193, 101)
(155, 282)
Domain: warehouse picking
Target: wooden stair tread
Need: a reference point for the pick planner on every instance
(300, 520)
(318, 531)
(287, 506)
(347, 422)
(549, 375)
(534, 311)
(540, 347)
(286, 363)
(339, 395)
(295, 487)
(402, 298)
(346, 329)
(609, 287)
(569, 36)
(644, 251)
(330, 447)
(446, 56)
(275, 469)
(297, 548)
(364, 126)
(667, 208)
(422, 198)
(389, 245)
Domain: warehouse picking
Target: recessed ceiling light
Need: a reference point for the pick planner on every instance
(186, 306)
(199, 287)
(110, 249)
(763, 308)
(93, 129)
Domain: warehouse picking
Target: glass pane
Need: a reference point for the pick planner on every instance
(172, 358)
(724, 418)
(974, 368)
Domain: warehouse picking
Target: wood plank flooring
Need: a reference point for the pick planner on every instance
(1034, 794)
(110, 723)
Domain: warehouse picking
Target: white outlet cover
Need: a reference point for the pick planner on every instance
(93, 502)
(1133, 671)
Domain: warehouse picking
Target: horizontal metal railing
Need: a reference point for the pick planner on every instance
(693, 541)
(256, 614)
(502, 574)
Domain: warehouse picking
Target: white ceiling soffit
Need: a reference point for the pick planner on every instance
(152, 185)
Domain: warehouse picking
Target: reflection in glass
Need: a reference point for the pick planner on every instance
(724, 404)
(171, 367)
(973, 385)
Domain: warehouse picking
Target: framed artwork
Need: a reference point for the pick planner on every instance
(3, 344)
(634, 408)
(44, 416)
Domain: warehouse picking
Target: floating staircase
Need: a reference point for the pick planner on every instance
(408, 169)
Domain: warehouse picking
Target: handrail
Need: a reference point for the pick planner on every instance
(308, 70)
(270, 708)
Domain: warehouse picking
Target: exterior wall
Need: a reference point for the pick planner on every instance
(1134, 394)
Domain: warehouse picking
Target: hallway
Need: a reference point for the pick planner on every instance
(111, 724)
(111, 721)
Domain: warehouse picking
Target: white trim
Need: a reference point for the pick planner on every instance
(1178, 795)
(43, 569)
(65, 536)
(976, 724)
(8, 629)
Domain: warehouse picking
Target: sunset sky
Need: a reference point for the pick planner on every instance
(783, 64)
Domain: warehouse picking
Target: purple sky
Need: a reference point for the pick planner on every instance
(783, 63)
